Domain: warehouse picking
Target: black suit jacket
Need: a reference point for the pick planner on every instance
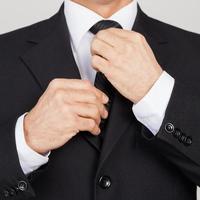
(132, 164)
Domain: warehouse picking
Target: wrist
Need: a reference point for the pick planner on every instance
(143, 91)
(29, 139)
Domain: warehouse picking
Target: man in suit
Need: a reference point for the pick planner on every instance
(99, 102)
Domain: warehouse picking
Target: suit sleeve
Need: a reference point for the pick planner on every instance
(179, 136)
(13, 182)
(29, 160)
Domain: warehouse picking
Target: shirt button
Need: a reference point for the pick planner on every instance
(105, 182)
(169, 128)
(22, 186)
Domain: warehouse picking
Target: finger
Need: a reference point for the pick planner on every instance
(101, 95)
(89, 111)
(101, 48)
(100, 64)
(83, 96)
(87, 97)
(85, 124)
(130, 35)
(111, 39)
(68, 83)
(76, 84)
(121, 32)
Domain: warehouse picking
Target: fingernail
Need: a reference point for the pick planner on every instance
(99, 131)
(105, 114)
(105, 98)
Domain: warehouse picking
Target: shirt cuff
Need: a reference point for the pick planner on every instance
(28, 158)
(150, 110)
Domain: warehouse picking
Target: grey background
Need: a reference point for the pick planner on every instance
(16, 14)
(20, 13)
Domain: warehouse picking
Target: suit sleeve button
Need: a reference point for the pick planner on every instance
(6, 193)
(169, 128)
(22, 186)
(182, 139)
(188, 141)
(12, 192)
(177, 133)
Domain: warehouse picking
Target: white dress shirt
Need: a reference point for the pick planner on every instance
(150, 110)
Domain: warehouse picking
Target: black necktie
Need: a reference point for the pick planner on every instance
(104, 24)
(101, 81)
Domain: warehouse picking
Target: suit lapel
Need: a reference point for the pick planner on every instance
(119, 119)
(121, 115)
(155, 37)
(52, 57)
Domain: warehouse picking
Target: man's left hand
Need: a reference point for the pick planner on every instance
(127, 61)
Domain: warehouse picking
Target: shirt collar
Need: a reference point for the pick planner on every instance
(80, 19)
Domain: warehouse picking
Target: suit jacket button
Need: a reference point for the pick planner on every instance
(22, 186)
(188, 141)
(169, 128)
(105, 182)
(177, 133)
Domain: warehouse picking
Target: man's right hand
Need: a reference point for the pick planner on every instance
(66, 107)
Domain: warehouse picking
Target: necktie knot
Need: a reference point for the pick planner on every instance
(104, 24)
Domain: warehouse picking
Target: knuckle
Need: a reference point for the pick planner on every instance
(100, 96)
(97, 62)
(54, 83)
(58, 95)
(87, 84)
(139, 37)
(66, 109)
(101, 49)
(119, 57)
(109, 66)
(91, 124)
(96, 111)
(101, 34)
(110, 69)
(94, 60)
(112, 29)
(120, 61)
(128, 46)
(93, 96)
(143, 37)
(74, 120)
(113, 55)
